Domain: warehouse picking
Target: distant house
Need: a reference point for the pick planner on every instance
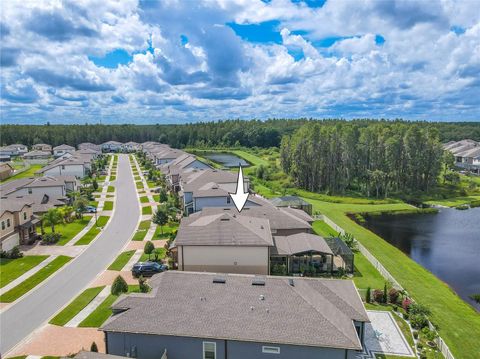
(466, 153)
(37, 156)
(172, 170)
(61, 150)
(13, 150)
(42, 147)
(202, 315)
(130, 146)
(77, 166)
(88, 153)
(55, 187)
(293, 202)
(163, 155)
(89, 146)
(18, 224)
(111, 146)
(6, 170)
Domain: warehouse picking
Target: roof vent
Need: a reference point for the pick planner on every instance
(258, 281)
(262, 297)
(252, 308)
(291, 282)
(221, 280)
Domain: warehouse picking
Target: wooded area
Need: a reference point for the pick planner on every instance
(373, 158)
(252, 133)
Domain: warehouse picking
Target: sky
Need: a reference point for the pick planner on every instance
(175, 61)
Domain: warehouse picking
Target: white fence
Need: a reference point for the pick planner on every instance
(386, 274)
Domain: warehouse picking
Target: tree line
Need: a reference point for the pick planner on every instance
(253, 133)
(375, 158)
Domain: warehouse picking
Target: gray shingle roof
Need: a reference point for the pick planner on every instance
(312, 312)
(64, 147)
(300, 243)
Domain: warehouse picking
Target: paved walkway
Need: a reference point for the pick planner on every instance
(38, 249)
(133, 259)
(26, 275)
(85, 312)
(383, 336)
(107, 278)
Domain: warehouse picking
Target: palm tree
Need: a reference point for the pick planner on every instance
(80, 206)
(53, 217)
(66, 213)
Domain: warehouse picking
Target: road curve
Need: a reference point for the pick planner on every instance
(34, 309)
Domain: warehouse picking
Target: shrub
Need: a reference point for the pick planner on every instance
(368, 295)
(419, 309)
(415, 334)
(13, 253)
(418, 321)
(378, 296)
(51, 238)
(149, 248)
(144, 287)
(406, 303)
(385, 297)
(94, 348)
(119, 286)
(393, 295)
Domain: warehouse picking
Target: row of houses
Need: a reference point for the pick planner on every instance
(223, 302)
(466, 153)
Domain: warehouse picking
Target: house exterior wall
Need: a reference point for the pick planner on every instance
(144, 346)
(4, 219)
(23, 216)
(10, 241)
(69, 170)
(224, 259)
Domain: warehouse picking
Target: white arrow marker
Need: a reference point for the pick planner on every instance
(239, 197)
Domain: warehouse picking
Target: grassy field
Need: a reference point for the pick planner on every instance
(108, 206)
(144, 199)
(72, 309)
(68, 230)
(167, 229)
(147, 210)
(323, 229)
(459, 323)
(11, 269)
(103, 311)
(121, 260)
(30, 283)
(93, 232)
(30, 172)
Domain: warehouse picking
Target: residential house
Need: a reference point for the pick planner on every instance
(18, 224)
(164, 154)
(111, 146)
(89, 146)
(6, 170)
(88, 153)
(130, 146)
(5, 157)
(293, 202)
(42, 147)
(37, 157)
(466, 153)
(13, 150)
(76, 165)
(204, 315)
(55, 187)
(61, 150)
(173, 170)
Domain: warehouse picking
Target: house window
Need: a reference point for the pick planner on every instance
(228, 199)
(29, 191)
(3, 225)
(25, 215)
(8, 222)
(209, 350)
(270, 350)
(63, 167)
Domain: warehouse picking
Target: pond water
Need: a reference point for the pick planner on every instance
(446, 243)
(226, 159)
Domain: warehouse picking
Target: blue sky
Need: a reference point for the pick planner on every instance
(184, 61)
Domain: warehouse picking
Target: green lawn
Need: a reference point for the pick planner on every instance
(34, 280)
(144, 199)
(11, 269)
(323, 229)
(156, 198)
(30, 172)
(93, 232)
(139, 184)
(459, 324)
(113, 178)
(108, 206)
(80, 302)
(152, 184)
(68, 230)
(146, 257)
(141, 231)
(121, 260)
(93, 203)
(147, 210)
(167, 229)
(103, 311)
(110, 189)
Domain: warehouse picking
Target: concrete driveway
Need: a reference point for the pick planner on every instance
(33, 310)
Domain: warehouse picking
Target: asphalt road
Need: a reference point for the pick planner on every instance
(34, 309)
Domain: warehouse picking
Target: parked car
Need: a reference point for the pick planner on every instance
(90, 209)
(147, 269)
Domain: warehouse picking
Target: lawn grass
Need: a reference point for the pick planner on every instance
(111, 189)
(30, 172)
(167, 230)
(458, 323)
(139, 184)
(156, 198)
(113, 178)
(72, 309)
(11, 269)
(93, 232)
(121, 260)
(144, 199)
(323, 229)
(103, 311)
(34, 280)
(147, 210)
(152, 184)
(162, 254)
(93, 203)
(68, 230)
(108, 206)
(141, 231)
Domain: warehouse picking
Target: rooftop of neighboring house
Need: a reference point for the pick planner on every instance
(76, 159)
(95, 355)
(37, 154)
(31, 182)
(224, 229)
(13, 205)
(131, 143)
(197, 178)
(64, 147)
(472, 152)
(178, 164)
(167, 153)
(277, 310)
(88, 151)
(300, 243)
(456, 147)
(42, 202)
(5, 165)
(42, 145)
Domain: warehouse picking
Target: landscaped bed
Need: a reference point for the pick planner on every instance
(11, 269)
(67, 230)
(80, 302)
(93, 232)
(121, 260)
(34, 280)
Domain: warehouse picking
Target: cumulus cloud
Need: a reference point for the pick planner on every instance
(186, 62)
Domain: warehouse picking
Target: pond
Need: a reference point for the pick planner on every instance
(226, 159)
(446, 243)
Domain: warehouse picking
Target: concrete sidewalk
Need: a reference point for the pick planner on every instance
(85, 312)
